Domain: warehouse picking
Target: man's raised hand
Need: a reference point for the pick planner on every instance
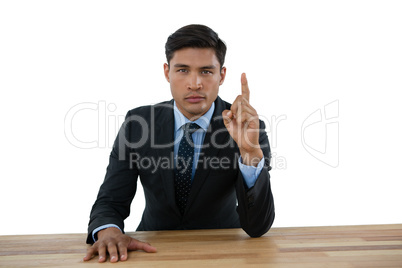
(243, 124)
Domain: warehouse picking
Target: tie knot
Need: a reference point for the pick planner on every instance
(190, 127)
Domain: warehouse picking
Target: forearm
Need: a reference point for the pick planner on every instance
(256, 205)
(113, 202)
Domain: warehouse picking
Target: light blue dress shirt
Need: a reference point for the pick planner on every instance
(250, 173)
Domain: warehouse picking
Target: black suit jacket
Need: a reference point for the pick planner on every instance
(218, 196)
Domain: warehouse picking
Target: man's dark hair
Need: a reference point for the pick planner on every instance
(195, 36)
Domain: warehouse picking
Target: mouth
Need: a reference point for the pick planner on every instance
(194, 98)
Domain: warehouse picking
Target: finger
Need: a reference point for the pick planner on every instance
(239, 103)
(240, 109)
(246, 107)
(122, 251)
(245, 91)
(90, 254)
(227, 117)
(148, 248)
(236, 104)
(138, 245)
(243, 108)
(247, 117)
(112, 249)
(102, 253)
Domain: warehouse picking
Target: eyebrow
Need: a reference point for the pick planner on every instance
(179, 65)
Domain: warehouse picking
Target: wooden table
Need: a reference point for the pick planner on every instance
(342, 246)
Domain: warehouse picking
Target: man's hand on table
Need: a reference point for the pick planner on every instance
(114, 242)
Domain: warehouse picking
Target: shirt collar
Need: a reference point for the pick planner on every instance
(203, 121)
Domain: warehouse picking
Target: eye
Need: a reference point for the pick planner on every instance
(182, 71)
(206, 72)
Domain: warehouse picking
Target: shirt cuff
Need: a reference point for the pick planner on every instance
(250, 173)
(103, 227)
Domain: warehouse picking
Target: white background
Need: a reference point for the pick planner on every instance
(299, 56)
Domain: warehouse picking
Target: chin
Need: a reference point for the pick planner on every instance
(197, 111)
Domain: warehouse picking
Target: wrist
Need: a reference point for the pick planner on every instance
(251, 158)
(108, 231)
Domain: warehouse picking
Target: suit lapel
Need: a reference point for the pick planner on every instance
(164, 144)
(209, 150)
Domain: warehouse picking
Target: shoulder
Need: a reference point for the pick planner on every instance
(221, 105)
(160, 111)
(143, 120)
(147, 109)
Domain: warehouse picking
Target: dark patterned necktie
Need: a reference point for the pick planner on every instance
(184, 166)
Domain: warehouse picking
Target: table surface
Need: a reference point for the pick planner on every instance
(334, 246)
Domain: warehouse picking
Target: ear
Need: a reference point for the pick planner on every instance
(166, 71)
(223, 75)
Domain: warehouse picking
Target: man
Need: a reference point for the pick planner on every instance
(196, 156)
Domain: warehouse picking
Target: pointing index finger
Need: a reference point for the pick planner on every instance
(245, 91)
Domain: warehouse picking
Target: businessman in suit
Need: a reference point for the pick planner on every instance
(203, 162)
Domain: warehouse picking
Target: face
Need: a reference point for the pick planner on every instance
(194, 76)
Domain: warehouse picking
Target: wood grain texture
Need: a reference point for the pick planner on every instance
(333, 246)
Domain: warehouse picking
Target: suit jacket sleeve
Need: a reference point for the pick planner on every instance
(112, 205)
(256, 205)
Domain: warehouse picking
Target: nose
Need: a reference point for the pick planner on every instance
(194, 82)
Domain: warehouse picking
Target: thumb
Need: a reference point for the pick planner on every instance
(138, 245)
(227, 116)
